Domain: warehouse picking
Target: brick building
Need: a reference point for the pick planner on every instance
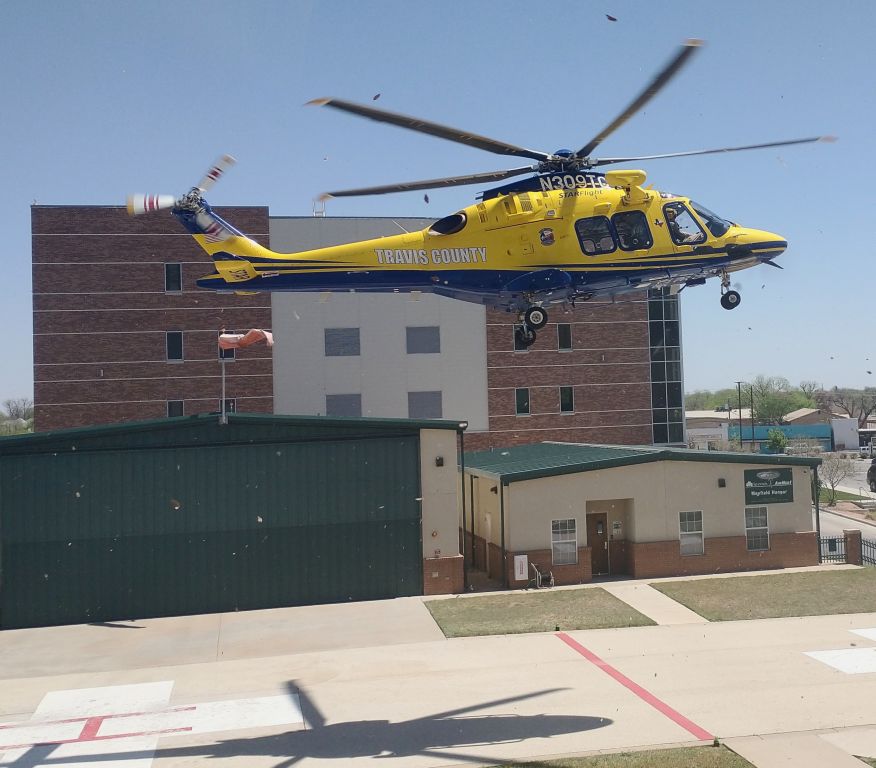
(121, 333)
(582, 511)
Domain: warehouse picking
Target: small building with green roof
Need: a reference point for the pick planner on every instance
(579, 511)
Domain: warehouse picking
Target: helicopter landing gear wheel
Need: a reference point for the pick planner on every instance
(525, 336)
(730, 300)
(535, 318)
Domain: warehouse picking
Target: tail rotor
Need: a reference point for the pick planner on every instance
(140, 204)
(216, 172)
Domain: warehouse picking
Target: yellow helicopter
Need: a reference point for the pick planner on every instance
(563, 235)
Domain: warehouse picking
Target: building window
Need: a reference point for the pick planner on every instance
(757, 531)
(343, 405)
(230, 405)
(341, 342)
(567, 400)
(519, 346)
(174, 343)
(226, 354)
(664, 340)
(174, 408)
(564, 336)
(690, 526)
(564, 542)
(173, 278)
(521, 397)
(424, 405)
(423, 340)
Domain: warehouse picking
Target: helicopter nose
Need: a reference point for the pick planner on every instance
(763, 246)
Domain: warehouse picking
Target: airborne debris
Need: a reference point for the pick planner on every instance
(610, 18)
(426, 198)
(375, 97)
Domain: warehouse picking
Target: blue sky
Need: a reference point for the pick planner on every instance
(104, 98)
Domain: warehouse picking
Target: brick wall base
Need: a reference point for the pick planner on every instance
(721, 555)
(443, 575)
(576, 573)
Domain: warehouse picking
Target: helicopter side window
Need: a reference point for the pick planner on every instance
(594, 235)
(632, 230)
(683, 227)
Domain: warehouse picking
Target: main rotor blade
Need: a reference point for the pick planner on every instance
(411, 186)
(611, 160)
(433, 129)
(656, 85)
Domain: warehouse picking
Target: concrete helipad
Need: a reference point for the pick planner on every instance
(348, 683)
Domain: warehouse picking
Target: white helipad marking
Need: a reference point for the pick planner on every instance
(108, 700)
(75, 718)
(125, 722)
(213, 716)
(852, 661)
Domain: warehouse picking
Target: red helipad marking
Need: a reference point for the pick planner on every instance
(90, 727)
(646, 696)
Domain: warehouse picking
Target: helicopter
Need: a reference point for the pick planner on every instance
(565, 234)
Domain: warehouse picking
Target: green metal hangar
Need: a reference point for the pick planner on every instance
(187, 515)
(583, 510)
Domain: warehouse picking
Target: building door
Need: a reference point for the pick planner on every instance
(597, 538)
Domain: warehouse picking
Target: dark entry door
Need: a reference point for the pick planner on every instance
(597, 538)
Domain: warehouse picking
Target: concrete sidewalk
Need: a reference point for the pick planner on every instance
(806, 749)
(655, 605)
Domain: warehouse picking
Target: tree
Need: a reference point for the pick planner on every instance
(777, 441)
(833, 470)
(19, 408)
(809, 388)
(856, 403)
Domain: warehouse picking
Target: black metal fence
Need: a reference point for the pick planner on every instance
(833, 549)
(868, 551)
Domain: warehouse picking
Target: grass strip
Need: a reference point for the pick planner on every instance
(819, 593)
(682, 757)
(536, 611)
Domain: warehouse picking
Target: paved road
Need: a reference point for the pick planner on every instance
(834, 525)
(859, 478)
(149, 693)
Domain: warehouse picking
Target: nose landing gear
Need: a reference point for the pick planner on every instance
(729, 299)
(532, 320)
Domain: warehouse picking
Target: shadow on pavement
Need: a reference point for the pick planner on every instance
(439, 735)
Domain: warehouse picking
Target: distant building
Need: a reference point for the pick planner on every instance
(807, 416)
(708, 430)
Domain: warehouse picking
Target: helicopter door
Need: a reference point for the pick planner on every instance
(683, 228)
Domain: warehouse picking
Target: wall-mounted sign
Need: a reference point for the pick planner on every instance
(769, 486)
(616, 527)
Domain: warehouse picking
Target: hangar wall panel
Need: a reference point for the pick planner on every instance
(99, 533)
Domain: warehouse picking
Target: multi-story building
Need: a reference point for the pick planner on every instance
(121, 333)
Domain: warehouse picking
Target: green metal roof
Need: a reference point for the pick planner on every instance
(526, 462)
(204, 429)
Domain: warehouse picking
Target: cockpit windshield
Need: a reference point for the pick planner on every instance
(717, 226)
